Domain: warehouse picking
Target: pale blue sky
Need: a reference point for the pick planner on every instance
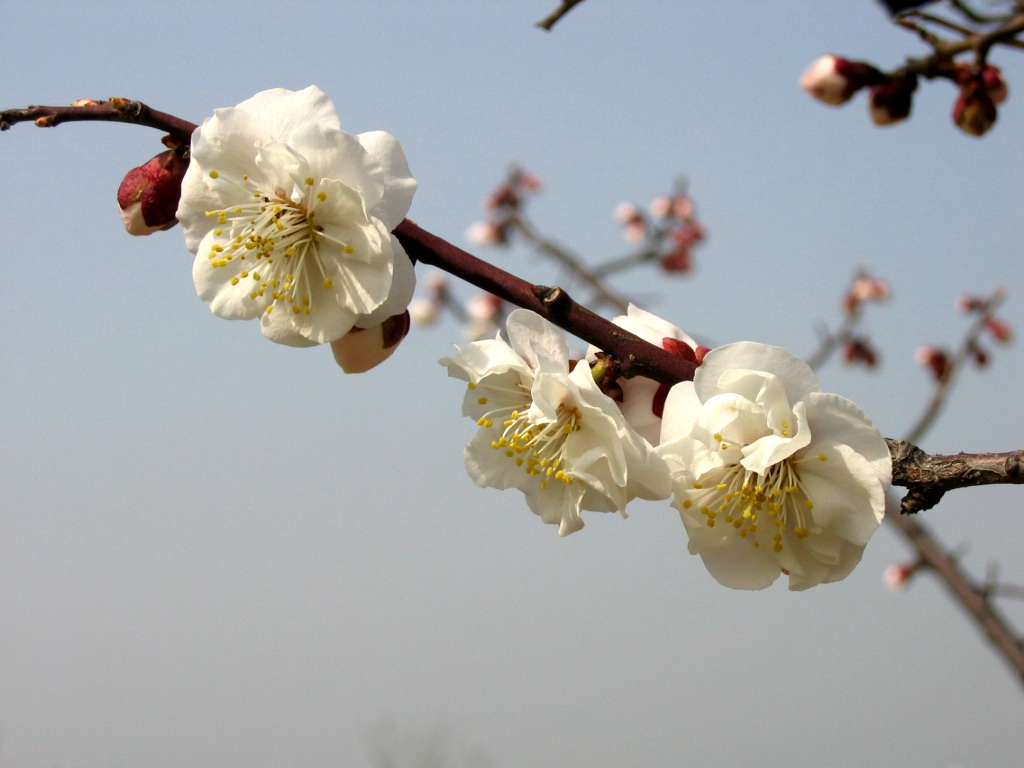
(215, 551)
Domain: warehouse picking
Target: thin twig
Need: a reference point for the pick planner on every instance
(112, 111)
(972, 597)
(570, 261)
(944, 385)
(558, 13)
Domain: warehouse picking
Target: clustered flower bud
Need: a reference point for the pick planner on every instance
(504, 202)
(834, 80)
(148, 196)
(672, 240)
(980, 91)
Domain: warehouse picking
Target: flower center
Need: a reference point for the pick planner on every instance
(279, 242)
(537, 447)
(763, 506)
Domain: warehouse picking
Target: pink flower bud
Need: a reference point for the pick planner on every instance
(897, 576)
(992, 77)
(661, 206)
(148, 195)
(834, 80)
(679, 259)
(967, 303)
(859, 351)
(628, 213)
(487, 233)
(423, 311)
(437, 283)
(979, 354)
(974, 112)
(999, 330)
(361, 349)
(868, 288)
(484, 306)
(891, 102)
(935, 360)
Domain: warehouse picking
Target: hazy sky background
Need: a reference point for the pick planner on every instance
(217, 552)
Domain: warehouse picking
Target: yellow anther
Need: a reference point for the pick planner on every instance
(471, 385)
(321, 196)
(803, 533)
(687, 503)
(214, 175)
(270, 309)
(698, 486)
(309, 181)
(822, 457)
(234, 281)
(721, 487)
(349, 249)
(328, 283)
(809, 504)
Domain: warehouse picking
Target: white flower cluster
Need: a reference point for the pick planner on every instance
(770, 475)
(291, 222)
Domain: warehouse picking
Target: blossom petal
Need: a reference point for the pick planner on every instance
(399, 185)
(797, 377)
(538, 342)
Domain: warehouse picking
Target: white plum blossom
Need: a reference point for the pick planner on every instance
(641, 402)
(548, 430)
(290, 218)
(771, 475)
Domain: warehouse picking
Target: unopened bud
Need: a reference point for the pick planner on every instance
(679, 259)
(148, 195)
(361, 349)
(978, 353)
(424, 311)
(897, 576)
(84, 103)
(46, 121)
(868, 288)
(834, 80)
(992, 77)
(891, 102)
(935, 360)
(860, 352)
(974, 112)
(999, 330)
(487, 233)
(968, 303)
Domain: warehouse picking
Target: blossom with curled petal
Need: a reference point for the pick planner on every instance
(548, 430)
(290, 218)
(771, 475)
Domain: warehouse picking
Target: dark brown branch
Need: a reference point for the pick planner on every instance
(112, 111)
(636, 355)
(928, 478)
(558, 13)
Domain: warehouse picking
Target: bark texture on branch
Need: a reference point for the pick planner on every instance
(928, 477)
